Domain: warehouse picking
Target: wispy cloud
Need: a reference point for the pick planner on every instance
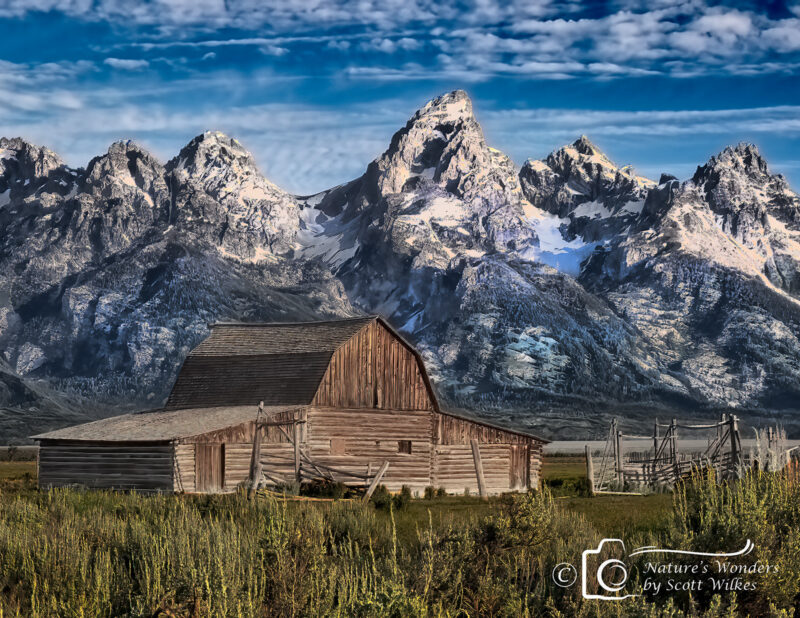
(679, 38)
(126, 64)
(306, 148)
(166, 70)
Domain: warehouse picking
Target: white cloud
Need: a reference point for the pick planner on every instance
(674, 37)
(306, 148)
(126, 64)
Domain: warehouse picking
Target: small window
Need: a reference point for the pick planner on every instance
(404, 446)
(338, 446)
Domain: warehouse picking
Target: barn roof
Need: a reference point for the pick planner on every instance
(277, 363)
(235, 338)
(161, 425)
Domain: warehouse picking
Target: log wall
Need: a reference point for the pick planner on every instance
(520, 456)
(184, 468)
(370, 437)
(144, 466)
(374, 369)
(455, 468)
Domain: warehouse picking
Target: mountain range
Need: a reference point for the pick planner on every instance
(549, 296)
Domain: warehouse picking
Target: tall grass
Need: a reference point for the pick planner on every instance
(761, 506)
(93, 553)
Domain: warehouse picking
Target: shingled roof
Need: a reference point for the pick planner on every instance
(277, 363)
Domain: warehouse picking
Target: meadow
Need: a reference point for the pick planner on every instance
(93, 553)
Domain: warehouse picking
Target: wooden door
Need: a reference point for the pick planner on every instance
(209, 467)
(519, 467)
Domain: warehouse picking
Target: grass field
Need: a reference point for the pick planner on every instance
(610, 515)
(97, 553)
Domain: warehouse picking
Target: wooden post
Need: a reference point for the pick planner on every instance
(735, 454)
(589, 469)
(673, 442)
(476, 458)
(296, 440)
(615, 446)
(620, 459)
(255, 456)
(375, 482)
(655, 447)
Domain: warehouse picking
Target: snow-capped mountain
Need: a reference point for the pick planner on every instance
(586, 198)
(572, 283)
(111, 274)
(709, 274)
(438, 235)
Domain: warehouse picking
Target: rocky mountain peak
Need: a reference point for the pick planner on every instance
(216, 160)
(441, 135)
(454, 107)
(580, 173)
(126, 160)
(742, 159)
(213, 150)
(25, 160)
(585, 147)
(219, 193)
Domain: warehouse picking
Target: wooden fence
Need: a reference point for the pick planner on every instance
(663, 465)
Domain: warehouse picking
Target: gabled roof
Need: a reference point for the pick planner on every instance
(160, 425)
(279, 363)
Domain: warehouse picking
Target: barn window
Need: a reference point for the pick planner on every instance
(338, 446)
(404, 446)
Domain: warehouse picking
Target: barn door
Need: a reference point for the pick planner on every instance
(209, 467)
(519, 467)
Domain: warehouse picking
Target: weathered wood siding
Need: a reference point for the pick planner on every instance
(184, 468)
(510, 461)
(455, 468)
(374, 369)
(367, 438)
(238, 442)
(237, 465)
(106, 465)
(453, 430)
(535, 466)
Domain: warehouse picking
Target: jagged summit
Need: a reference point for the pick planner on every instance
(212, 149)
(585, 146)
(125, 157)
(27, 159)
(578, 181)
(743, 158)
(454, 106)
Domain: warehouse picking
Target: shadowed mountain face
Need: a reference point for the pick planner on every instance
(569, 284)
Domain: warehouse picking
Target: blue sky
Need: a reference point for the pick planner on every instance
(315, 89)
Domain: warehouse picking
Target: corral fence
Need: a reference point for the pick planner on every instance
(618, 469)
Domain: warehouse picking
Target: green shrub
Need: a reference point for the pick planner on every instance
(402, 500)
(381, 498)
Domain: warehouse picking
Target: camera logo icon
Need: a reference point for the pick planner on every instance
(611, 573)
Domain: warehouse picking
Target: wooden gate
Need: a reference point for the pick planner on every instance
(210, 467)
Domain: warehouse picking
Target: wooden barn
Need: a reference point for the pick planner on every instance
(346, 400)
